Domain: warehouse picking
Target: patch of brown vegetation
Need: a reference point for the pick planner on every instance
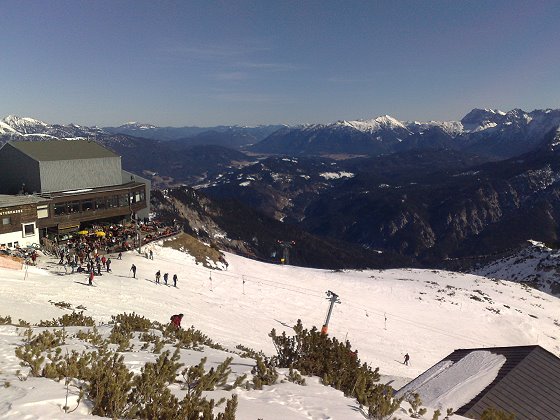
(200, 251)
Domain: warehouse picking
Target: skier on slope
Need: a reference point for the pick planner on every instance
(406, 359)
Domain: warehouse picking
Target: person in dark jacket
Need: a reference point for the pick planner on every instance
(165, 277)
(175, 280)
(133, 269)
(158, 275)
(406, 359)
(176, 320)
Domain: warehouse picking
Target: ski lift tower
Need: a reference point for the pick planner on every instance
(333, 297)
(286, 245)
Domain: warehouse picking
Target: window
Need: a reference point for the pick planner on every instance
(42, 211)
(87, 205)
(74, 206)
(29, 230)
(6, 221)
(113, 201)
(123, 200)
(101, 203)
(9, 244)
(60, 208)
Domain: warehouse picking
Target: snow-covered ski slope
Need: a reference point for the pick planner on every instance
(384, 314)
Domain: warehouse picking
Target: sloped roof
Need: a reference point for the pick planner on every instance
(62, 150)
(19, 200)
(527, 383)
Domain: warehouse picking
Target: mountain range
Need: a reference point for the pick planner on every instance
(490, 133)
(432, 193)
(439, 207)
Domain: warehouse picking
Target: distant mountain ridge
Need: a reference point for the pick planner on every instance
(492, 133)
(233, 136)
(13, 127)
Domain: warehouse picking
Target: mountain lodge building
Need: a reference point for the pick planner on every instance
(57, 186)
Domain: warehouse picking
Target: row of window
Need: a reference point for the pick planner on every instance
(100, 203)
(10, 245)
(28, 230)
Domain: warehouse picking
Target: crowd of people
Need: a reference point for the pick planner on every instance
(88, 250)
(106, 239)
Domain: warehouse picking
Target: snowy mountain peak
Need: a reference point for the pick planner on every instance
(482, 119)
(495, 111)
(387, 120)
(384, 122)
(453, 128)
(6, 129)
(19, 123)
(134, 125)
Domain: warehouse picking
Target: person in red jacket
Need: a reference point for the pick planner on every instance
(176, 320)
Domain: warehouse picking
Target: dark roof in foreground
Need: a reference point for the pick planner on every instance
(527, 385)
(52, 150)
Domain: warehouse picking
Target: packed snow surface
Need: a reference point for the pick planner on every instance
(383, 313)
(449, 384)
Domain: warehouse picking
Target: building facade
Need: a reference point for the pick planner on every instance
(74, 183)
(19, 220)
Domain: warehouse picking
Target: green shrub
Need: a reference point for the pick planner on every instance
(91, 336)
(249, 353)
(109, 386)
(207, 381)
(5, 320)
(132, 322)
(295, 377)
(380, 402)
(415, 410)
(77, 319)
(62, 304)
(121, 337)
(151, 399)
(189, 338)
(71, 365)
(313, 353)
(264, 373)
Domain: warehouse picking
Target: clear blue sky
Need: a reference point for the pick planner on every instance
(273, 61)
